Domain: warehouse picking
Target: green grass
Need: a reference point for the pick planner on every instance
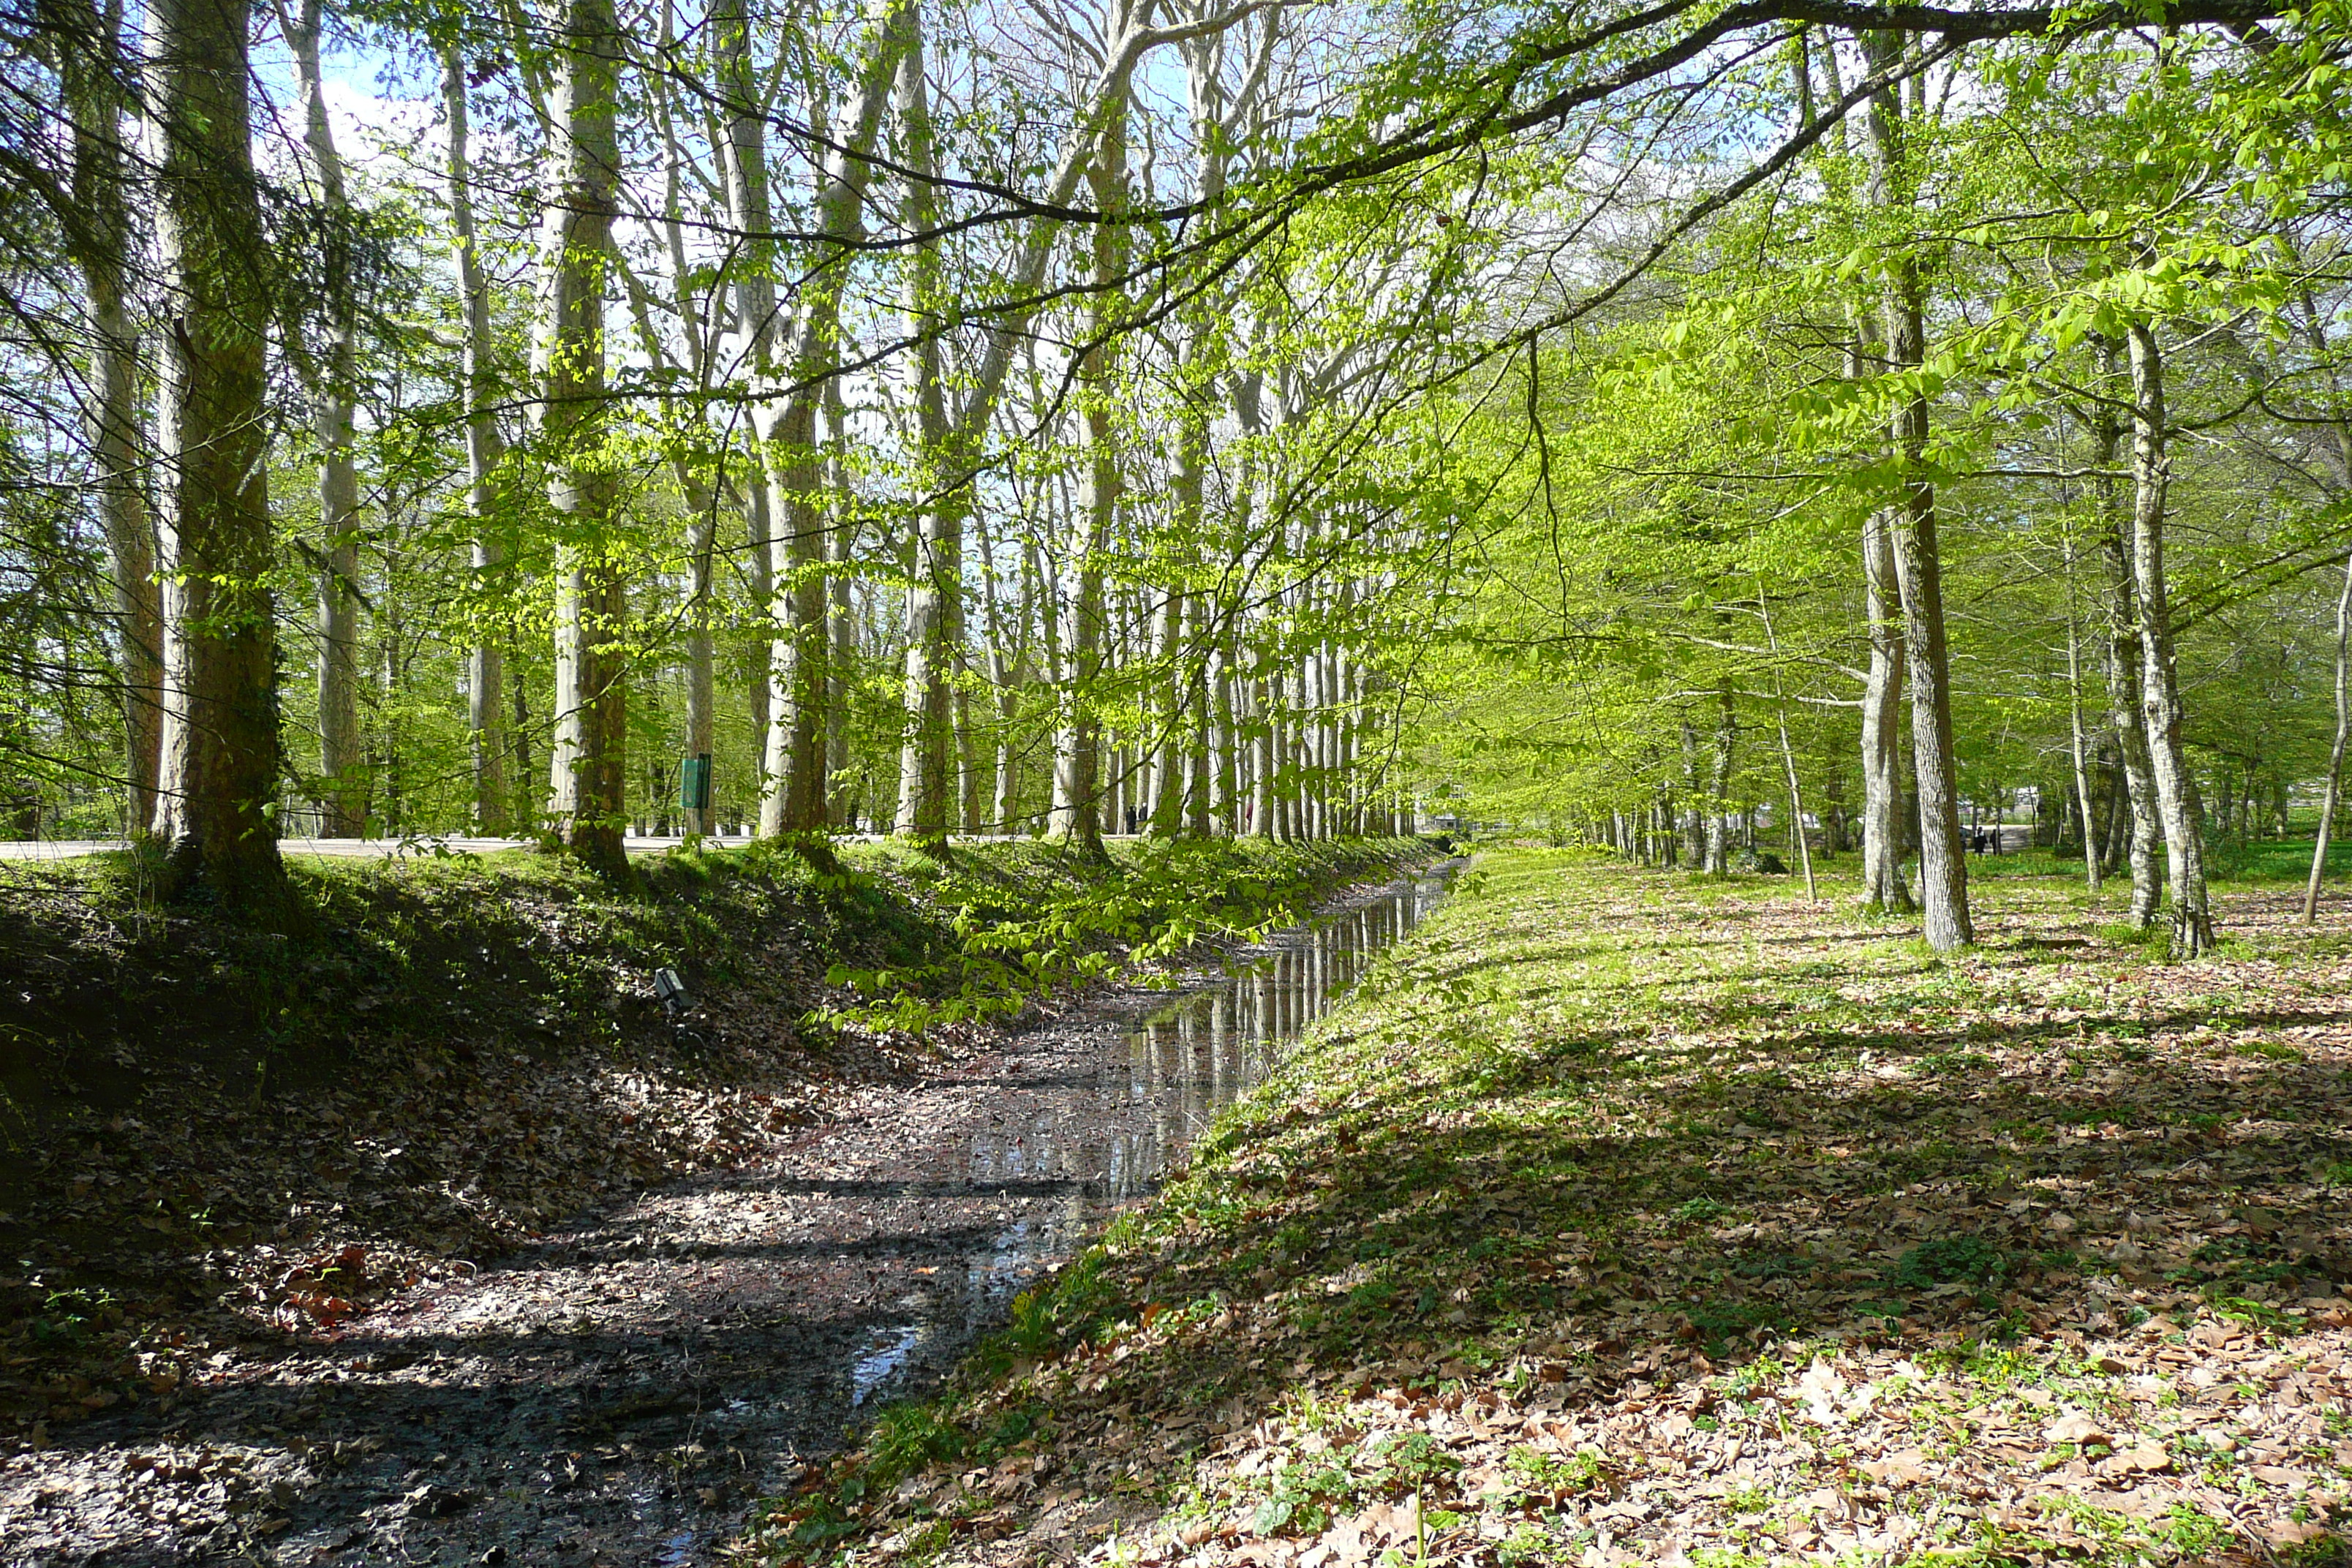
(2264, 863)
(2273, 861)
(1608, 1133)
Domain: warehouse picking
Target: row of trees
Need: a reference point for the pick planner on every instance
(2020, 399)
(1196, 418)
(900, 495)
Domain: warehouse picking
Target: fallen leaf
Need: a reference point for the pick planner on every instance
(2076, 1428)
(1903, 1469)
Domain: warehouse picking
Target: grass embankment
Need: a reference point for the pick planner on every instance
(1625, 1217)
(211, 1131)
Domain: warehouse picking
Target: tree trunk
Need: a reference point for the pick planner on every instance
(1006, 668)
(588, 760)
(1943, 863)
(1261, 795)
(1799, 842)
(1306, 702)
(2123, 822)
(327, 371)
(1719, 833)
(841, 628)
(218, 782)
(1198, 654)
(2335, 752)
(1834, 822)
(1224, 781)
(701, 697)
(2123, 657)
(1883, 887)
(485, 664)
(756, 318)
(2075, 731)
(1692, 823)
(700, 494)
(91, 70)
(935, 592)
(792, 754)
(2192, 916)
(1164, 758)
(1076, 812)
(793, 799)
(1076, 808)
(1339, 791)
(1919, 568)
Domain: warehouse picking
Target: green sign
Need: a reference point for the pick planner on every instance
(694, 783)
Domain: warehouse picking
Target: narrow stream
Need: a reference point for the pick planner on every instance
(623, 1393)
(1070, 1149)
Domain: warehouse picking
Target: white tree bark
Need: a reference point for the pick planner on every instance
(329, 371)
(91, 66)
(793, 797)
(588, 761)
(486, 723)
(1943, 862)
(935, 592)
(2184, 842)
(2335, 752)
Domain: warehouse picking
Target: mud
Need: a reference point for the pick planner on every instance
(623, 1393)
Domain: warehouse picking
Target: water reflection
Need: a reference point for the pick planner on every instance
(1102, 1136)
(1195, 1057)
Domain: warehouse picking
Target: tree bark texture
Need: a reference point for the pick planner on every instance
(1943, 865)
(218, 785)
(927, 792)
(752, 268)
(1691, 824)
(91, 69)
(328, 369)
(2126, 713)
(2078, 748)
(1076, 764)
(1943, 861)
(2334, 752)
(1719, 784)
(588, 763)
(792, 801)
(2184, 842)
(486, 723)
(841, 626)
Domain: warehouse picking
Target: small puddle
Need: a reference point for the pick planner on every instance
(885, 1352)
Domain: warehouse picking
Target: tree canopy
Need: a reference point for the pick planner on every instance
(1655, 423)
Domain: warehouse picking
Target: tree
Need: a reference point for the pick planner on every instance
(92, 68)
(327, 372)
(589, 757)
(485, 450)
(218, 780)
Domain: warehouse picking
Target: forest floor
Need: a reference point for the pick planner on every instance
(422, 1234)
(1623, 1216)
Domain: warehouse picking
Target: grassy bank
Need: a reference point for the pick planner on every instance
(214, 1133)
(1623, 1216)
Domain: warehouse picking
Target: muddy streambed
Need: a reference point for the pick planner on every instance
(622, 1393)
